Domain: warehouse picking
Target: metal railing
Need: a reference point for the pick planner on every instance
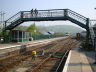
(43, 13)
(77, 16)
(13, 18)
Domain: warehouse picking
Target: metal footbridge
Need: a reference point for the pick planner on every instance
(46, 15)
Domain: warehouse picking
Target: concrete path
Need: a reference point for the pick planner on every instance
(77, 62)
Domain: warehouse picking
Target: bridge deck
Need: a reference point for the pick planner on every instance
(77, 62)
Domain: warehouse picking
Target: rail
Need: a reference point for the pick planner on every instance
(61, 64)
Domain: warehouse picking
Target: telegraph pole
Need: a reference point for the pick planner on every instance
(2, 19)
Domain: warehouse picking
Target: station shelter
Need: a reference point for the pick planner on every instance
(20, 36)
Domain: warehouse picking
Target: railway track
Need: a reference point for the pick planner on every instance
(57, 62)
(50, 51)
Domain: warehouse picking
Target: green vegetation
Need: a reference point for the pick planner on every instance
(86, 46)
(24, 28)
(32, 28)
(59, 34)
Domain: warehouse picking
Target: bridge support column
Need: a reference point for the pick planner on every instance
(21, 14)
(65, 13)
(87, 34)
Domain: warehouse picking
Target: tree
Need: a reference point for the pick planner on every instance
(32, 28)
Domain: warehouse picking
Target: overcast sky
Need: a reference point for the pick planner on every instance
(84, 7)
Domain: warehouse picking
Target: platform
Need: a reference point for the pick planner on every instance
(10, 45)
(77, 62)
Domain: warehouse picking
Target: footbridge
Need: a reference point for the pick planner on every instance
(46, 15)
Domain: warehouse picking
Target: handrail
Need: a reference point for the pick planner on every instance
(13, 16)
(46, 10)
(44, 13)
(81, 16)
(51, 9)
(77, 16)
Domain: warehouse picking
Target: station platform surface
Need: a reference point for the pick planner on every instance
(10, 45)
(77, 61)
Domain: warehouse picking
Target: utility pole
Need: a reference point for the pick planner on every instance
(2, 19)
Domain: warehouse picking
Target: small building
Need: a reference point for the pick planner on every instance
(20, 36)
